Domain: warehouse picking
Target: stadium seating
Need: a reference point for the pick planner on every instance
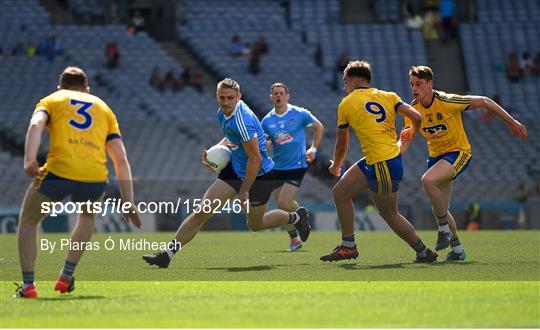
(165, 131)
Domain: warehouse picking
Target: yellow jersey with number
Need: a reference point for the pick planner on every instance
(442, 124)
(79, 124)
(372, 114)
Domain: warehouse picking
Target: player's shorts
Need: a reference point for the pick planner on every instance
(292, 177)
(459, 160)
(383, 177)
(260, 191)
(57, 188)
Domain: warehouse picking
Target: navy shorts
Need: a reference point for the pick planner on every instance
(292, 177)
(260, 191)
(459, 160)
(58, 188)
(383, 177)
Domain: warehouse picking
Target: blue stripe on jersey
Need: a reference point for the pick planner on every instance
(241, 126)
(287, 133)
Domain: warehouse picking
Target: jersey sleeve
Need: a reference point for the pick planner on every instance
(456, 103)
(264, 124)
(43, 106)
(307, 117)
(114, 128)
(343, 120)
(247, 127)
(396, 100)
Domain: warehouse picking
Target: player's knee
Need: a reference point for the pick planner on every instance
(428, 182)
(338, 193)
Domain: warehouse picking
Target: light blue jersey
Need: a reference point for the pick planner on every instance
(241, 126)
(287, 133)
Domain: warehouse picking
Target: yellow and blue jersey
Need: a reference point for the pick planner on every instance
(372, 114)
(79, 124)
(442, 124)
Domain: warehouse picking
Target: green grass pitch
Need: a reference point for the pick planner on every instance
(241, 279)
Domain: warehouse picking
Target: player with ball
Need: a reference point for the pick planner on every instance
(248, 176)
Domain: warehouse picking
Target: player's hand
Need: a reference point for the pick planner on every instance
(132, 216)
(311, 153)
(205, 161)
(32, 169)
(407, 134)
(243, 196)
(334, 169)
(518, 129)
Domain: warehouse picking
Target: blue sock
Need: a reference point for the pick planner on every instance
(28, 279)
(348, 241)
(69, 268)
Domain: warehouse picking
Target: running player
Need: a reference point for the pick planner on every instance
(371, 113)
(249, 176)
(285, 127)
(82, 130)
(449, 149)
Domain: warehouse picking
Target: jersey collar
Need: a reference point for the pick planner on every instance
(234, 111)
(283, 114)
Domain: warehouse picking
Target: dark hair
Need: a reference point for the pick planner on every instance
(279, 84)
(73, 78)
(360, 69)
(421, 72)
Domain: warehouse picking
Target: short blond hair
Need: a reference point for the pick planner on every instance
(73, 77)
(228, 83)
(360, 69)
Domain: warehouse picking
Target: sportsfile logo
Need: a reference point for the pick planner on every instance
(113, 205)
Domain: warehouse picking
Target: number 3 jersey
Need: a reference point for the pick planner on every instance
(79, 124)
(372, 114)
(442, 124)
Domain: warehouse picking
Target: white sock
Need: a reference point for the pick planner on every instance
(457, 248)
(444, 228)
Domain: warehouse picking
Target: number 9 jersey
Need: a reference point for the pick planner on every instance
(372, 114)
(80, 124)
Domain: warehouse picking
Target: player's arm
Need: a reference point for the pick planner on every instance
(413, 120)
(517, 128)
(251, 147)
(318, 131)
(117, 152)
(33, 141)
(204, 155)
(340, 150)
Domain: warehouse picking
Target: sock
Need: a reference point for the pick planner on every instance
(420, 248)
(443, 222)
(348, 241)
(174, 246)
(28, 279)
(456, 245)
(293, 218)
(292, 234)
(69, 268)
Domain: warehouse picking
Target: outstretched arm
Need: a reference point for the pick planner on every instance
(517, 128)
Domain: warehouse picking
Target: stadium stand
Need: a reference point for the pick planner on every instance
(164, 144)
